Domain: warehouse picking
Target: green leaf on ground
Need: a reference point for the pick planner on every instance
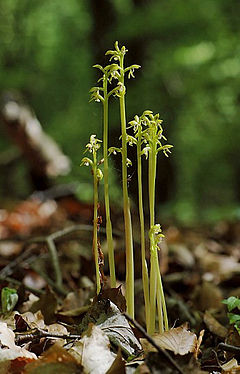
(9, 299)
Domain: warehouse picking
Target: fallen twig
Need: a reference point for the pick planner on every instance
(21, 337)
(153, 343)
(228, 348)
(49, 241)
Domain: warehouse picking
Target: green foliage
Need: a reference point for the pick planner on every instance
(232, 302)
(234, 318)
(9, 299)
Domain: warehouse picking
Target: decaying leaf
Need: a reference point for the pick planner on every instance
(9, 350)
(231, 367)
(182, 255)
(34, 320)
(93, 351)
(220, 266)
(118, 365)
(26, 305)
(75, 300)
(107, 316)
(207, 296)
(48, 305)
(116, 296)
(9, 319)
(199, 342)
(214, 326)
(54, 360)
(15, 366)
(178, 340)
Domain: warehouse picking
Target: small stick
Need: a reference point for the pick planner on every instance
(26, 336)
(228, 348)
(55, 261)
(60, 234)
(51, 283)
(154, 344)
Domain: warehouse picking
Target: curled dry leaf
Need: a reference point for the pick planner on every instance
(34, 320)
(199, 342)
(9, 350)
(107, 316)
(231, 367)
(93, 351)
(178, 340)
(116, 296)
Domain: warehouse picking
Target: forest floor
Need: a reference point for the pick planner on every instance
(51, 320)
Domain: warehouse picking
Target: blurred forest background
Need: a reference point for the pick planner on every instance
(190, 57)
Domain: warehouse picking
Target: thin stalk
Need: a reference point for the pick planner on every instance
(145, 279)
(106, 186)
(153, 254)
(163, 302)
(126, 204)
(95, 221)
(55, 261)
(159, 309)
(156, 289)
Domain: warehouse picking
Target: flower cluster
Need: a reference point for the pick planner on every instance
(113, 72)
(148, 127)
(92, 147)
(156, 235)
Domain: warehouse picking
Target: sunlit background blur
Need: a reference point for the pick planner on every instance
(190, 57)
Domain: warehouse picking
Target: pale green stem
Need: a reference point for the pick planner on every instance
(95, 221)
(145, 279)
(156, 277)
(126, 204)
(163, 302)
(106, 187)
(153, 254)
(159, 308)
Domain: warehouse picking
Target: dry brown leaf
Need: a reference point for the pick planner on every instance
(231, 367)
(199, 342)
(55, 359)
(116, 296)
(208, 296)
(182, 255)
(75, 312)
(178, 340)
(214, 326)
(9, 350)
(34, 320)
(26, 305)
(220, 266)
(118, 365)
(47, 303)
(75, 300)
